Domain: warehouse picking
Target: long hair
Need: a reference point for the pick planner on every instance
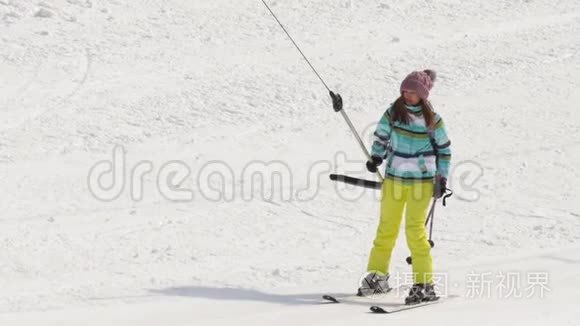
(401, 114)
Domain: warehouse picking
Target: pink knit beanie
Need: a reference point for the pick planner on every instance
(420, 82)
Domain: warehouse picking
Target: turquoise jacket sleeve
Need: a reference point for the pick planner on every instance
(382, 135)
(443, 148)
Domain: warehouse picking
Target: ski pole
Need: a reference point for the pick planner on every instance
(431, 218)
(344, 115)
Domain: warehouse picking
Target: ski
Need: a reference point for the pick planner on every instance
(355, 298)
(402, 307)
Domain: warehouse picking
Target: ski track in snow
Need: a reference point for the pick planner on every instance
(199, 81)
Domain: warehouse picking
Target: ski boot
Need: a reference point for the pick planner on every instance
(421, 293)
(373, 284)
(415, 294)
(429, 293)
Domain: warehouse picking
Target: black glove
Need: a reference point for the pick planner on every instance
(373, 163)
(336, 101)
(440, 187)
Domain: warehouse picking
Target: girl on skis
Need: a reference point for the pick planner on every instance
(412, 139)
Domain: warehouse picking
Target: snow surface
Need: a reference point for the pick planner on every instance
(217, 86)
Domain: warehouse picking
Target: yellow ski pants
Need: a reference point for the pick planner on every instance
(396, 196)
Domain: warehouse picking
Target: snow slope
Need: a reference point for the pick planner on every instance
(198, 305)
(217, 86)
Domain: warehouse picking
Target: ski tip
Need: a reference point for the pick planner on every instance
(329, 298)
(378, 310)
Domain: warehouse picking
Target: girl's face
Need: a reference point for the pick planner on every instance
(411, 97)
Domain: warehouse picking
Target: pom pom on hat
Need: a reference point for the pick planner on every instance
(431, 73)
(420, 82)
